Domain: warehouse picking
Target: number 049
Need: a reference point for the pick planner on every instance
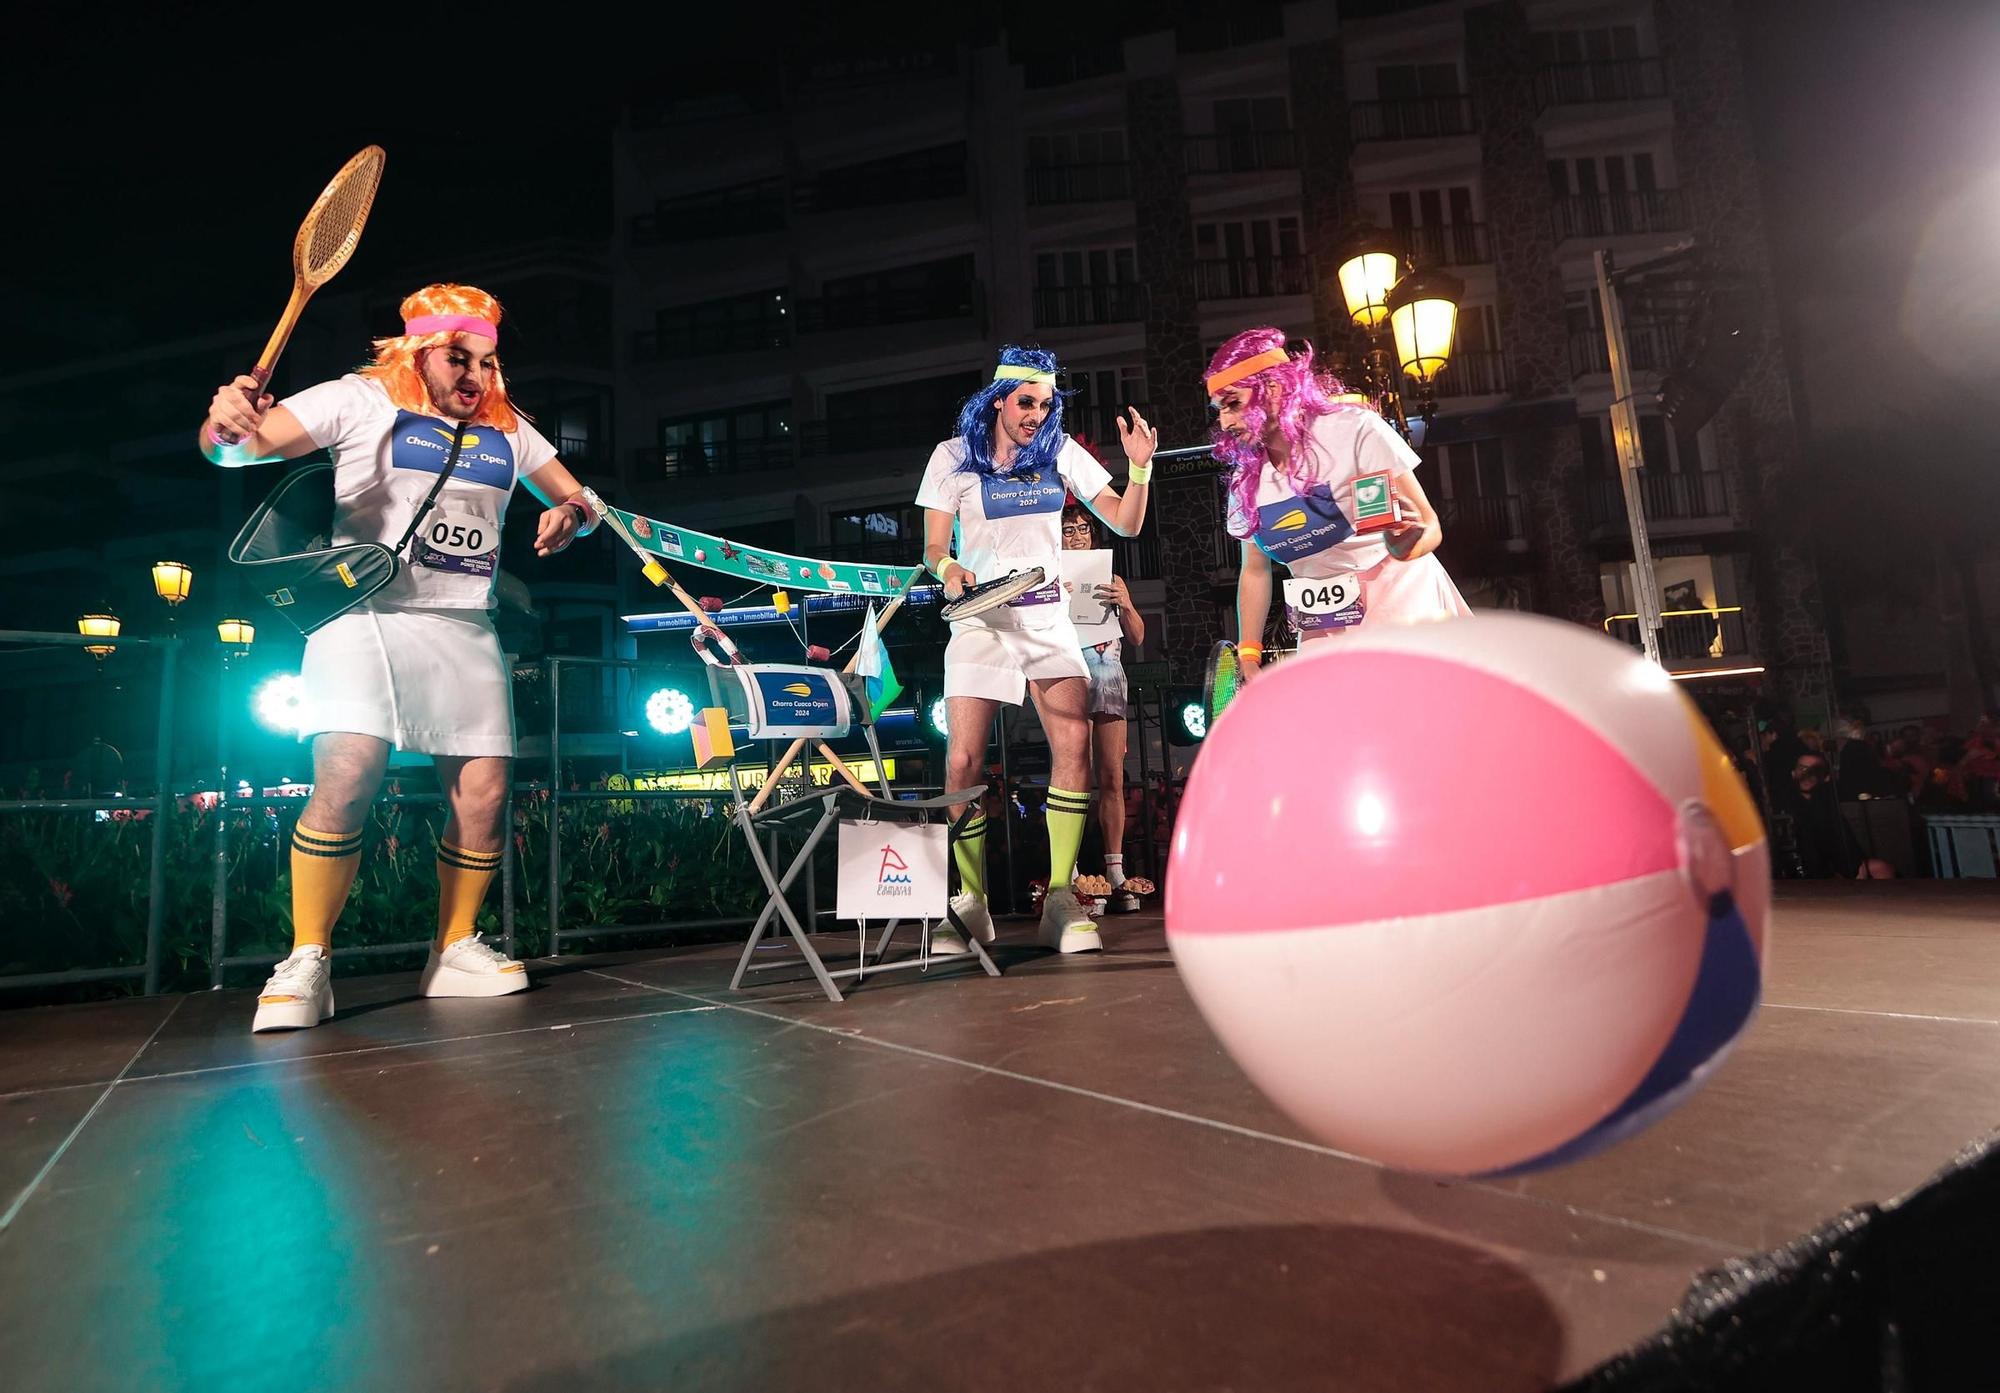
(1333, 595)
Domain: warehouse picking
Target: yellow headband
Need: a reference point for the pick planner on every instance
(1249, 367)
(1021, 372)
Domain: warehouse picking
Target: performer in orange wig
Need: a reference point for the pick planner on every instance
(417, 666)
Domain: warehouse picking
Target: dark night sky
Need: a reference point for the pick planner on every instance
(1878, 122)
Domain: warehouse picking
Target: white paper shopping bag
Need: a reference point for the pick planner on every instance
(892, 870)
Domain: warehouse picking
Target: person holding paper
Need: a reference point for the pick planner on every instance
(1115, 622)
(1321, 485)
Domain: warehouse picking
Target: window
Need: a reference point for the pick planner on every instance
(937, 172)
(1470, 469)
(1092, 266)
(1587, 45)
(944, 289)
(1099, 394)
(1431, 207)
(1234, 114)
(894, 415)
(736, 324)
(1048, 148)
(891, 532)
(1254, 237)
(740, 440)
(1595, 174)
(1254, 258)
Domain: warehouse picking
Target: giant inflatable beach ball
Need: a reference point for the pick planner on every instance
(1469, 897)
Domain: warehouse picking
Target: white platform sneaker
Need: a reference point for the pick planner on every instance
(472, 967)
(299, 993)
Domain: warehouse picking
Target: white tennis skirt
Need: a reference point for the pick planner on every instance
(430, 681)
(998, 664)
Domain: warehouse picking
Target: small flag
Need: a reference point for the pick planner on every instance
(871, 663)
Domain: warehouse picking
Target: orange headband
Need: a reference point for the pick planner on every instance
(1249, 367)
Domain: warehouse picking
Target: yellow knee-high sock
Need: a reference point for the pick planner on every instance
(323, 867)
(1067, 812)
(462, 879)
(968, 849)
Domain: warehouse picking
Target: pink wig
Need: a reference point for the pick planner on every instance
(1302, 397)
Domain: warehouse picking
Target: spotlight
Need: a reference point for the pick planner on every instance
(1194, 720)
(1186, 717)
(669, 711)
(278, 701)
(939, 721)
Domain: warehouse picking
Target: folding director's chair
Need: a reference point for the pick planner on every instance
(822, 705)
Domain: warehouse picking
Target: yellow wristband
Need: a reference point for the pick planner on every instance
(943, 566)
(1141, 473)
(1255, 650)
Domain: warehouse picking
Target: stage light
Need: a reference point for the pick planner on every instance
(1185, 716)
(1194, 720)
(278, 703)
(939, 721)
(670, 712)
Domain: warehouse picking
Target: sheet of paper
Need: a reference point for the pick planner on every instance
(1082, 572)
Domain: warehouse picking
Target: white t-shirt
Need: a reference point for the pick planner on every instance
(385, 461)
(1009, 522)
(1307, 526)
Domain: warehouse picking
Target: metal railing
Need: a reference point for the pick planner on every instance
(1474, 372)
(1252, 277)
(1484, 517)
(1084, 182)
(1689, 635)
(702, 460)
(1631, 212)
(732, 212)
(700, 340)
(1652, 345)
(1412, 118)
(1241, 152)
(884, 431)
(1609, 80)
(1079, 306)
(1666, 495)
(162, 803)
(1447, 244)
(889, 305)
(880, 186)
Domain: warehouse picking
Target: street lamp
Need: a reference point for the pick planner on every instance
(1418, 308)
(236, 635)
(99, 626)
(172, 581)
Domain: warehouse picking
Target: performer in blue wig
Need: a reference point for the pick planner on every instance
(1000, 485)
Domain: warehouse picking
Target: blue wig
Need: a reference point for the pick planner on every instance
(976, 417)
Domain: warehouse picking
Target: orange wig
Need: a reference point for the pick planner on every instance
(396, 364)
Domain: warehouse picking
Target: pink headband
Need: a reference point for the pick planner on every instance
(451, 324)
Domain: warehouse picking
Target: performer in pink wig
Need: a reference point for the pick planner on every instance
(1296, 450)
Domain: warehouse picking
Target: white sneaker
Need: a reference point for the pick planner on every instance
(299, 994)
(969, 912)
(1066, 925)
(947, 942)
(472, 967)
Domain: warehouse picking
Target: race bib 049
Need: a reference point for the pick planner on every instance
(1324, 602)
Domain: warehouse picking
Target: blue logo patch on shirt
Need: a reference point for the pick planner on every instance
(423, 443)
(1296, 527)
(1022, 495)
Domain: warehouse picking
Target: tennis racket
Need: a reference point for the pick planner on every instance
(991, 594)
(325, 241)
(1224, 677)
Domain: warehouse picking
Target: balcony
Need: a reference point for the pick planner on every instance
(1241, 152)
(1103, 181)
(704, 340)
(1412, 118)
(1137, 558)
(738, 211)
(1080, 306)
(1652, 346)
(1448, 244)
(1252, 277)
(1698, 496)
(1099, 425)
(1634, 212)
(890, 305)
(1691, 639)
(1059, 64)
(881, 185)
(575, 451)
(713, 459)
(855, 435)
(1474, 372)
(1483, 520)
(1619, 80)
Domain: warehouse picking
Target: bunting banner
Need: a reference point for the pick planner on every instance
(682, 544)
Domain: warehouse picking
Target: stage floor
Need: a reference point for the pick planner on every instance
(630, 1177)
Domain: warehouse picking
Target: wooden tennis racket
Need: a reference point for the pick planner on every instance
(325, 242)
(991, 594)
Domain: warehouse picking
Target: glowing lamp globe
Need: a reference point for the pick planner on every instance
(1501, 904)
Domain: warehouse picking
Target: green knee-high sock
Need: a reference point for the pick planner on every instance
(968, 849)
(1067, 811)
